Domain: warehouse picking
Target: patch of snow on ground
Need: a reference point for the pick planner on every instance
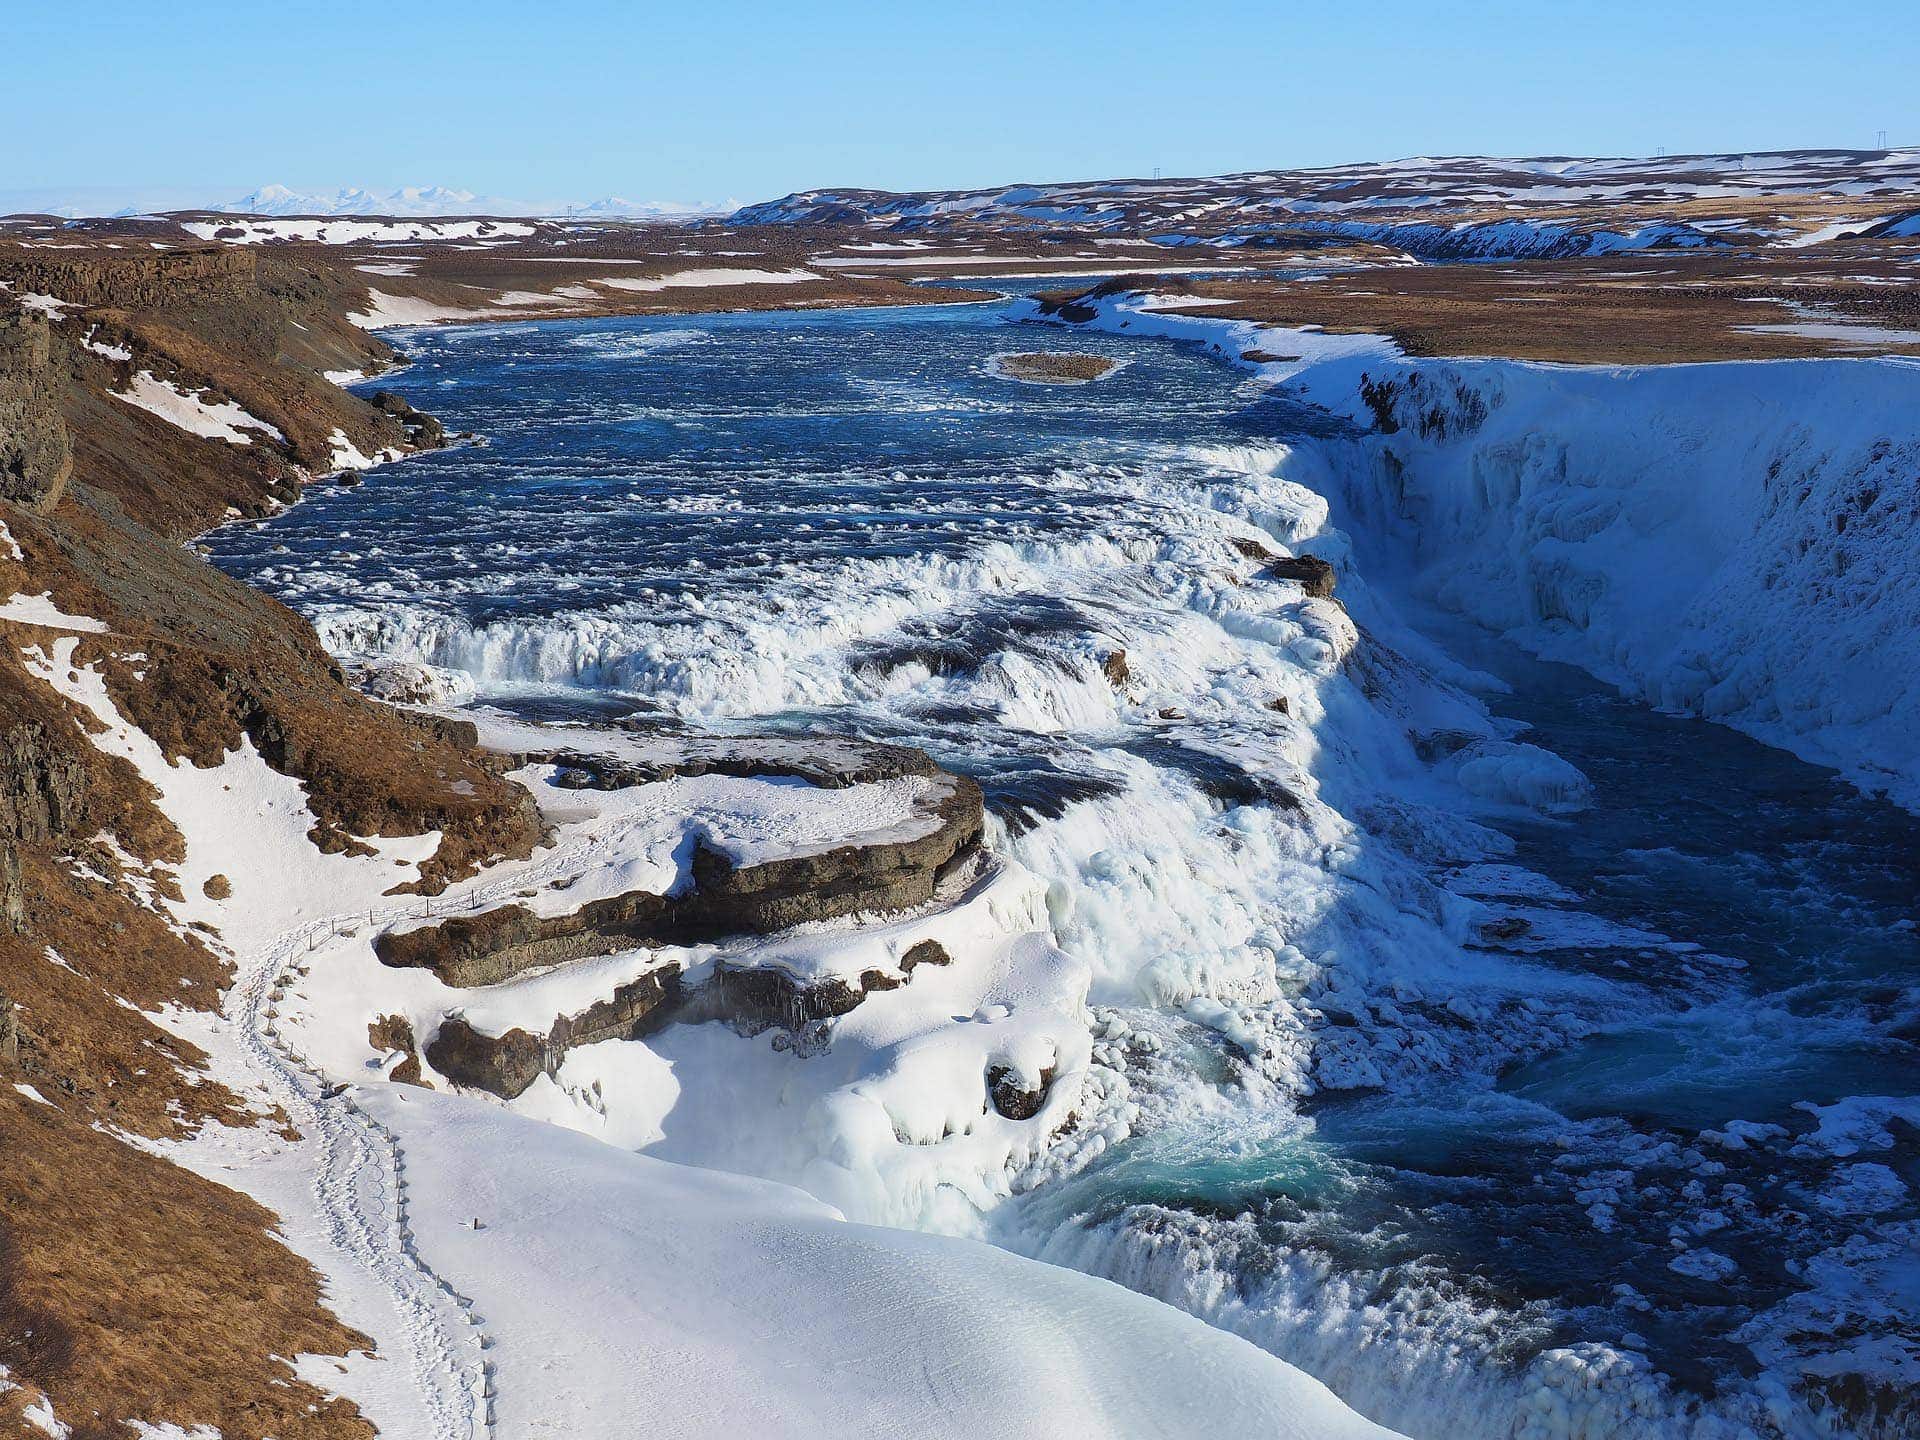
(701, 279)
(110, 352)
(40, 610)
(386, 310)
(343, 454)
(47, 305)
(1832, 230)
(223, 421)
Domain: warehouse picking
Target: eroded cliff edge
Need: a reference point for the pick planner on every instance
(131, 1289)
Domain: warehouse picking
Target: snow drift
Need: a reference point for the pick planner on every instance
(692, 1303)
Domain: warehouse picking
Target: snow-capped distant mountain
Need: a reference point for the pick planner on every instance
(614, 205)
(359, 200)
(439, 200)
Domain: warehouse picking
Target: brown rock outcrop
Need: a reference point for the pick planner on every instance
(13, 892)
(751, 998)
(1013, 1096)
(757, 997)
(9, 1032)
(507, 1064)
(43, 782)
(724, 899)
(395, 1032)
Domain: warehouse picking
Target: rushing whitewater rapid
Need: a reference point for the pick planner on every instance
(1516, 1058)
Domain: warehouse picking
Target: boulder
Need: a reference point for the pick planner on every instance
(395, 1032)
(758, 997)
(422, 429)
(504, 1064)
(1310, 572)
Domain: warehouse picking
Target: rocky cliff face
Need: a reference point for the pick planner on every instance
(43, 783)
(134, 279)
(36, 457)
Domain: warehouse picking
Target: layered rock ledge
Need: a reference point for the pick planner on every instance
(721, 897)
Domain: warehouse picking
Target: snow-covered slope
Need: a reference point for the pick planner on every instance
(1509, 207)
(520, 1279)
(691, 1303)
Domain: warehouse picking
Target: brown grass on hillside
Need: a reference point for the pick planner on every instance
(1639, 310)
(133, 1289)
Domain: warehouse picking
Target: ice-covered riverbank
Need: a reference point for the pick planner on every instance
(1729, 540)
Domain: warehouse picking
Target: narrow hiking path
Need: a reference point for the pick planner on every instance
(360, 1195)
(357, 1167)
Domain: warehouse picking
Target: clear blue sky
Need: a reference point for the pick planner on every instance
(705, 100)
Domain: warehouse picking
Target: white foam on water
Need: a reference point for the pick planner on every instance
(633, 345)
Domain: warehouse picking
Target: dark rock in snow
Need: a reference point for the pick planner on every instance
(1013, 1095)
(395, 1032)
(1310, 572)
(507, 1064)
(1507, 927)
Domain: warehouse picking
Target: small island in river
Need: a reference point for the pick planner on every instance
(1053, 367)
